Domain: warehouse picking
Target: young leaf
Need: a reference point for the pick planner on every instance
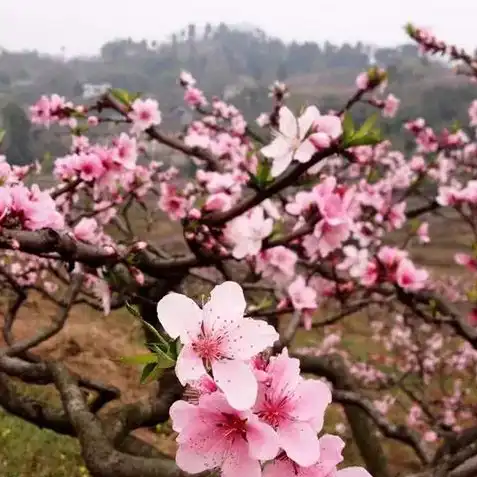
(367, 126)
(160, 338)
(151, 372)
(139, 359)
(163, 359)
(263, 173)
(121, 95)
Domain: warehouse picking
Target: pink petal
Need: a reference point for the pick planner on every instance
(262, 440)
(189, 366)
(311, 398)
(331, 448)
(279, 147)
(249, 338)
(200, 448)
(304, 152)
(306, 120)
(300, 442)
(331, 125)
(353, 472)
(239, 463)
(237, 381)
(285, 374)
(280, 163)
(182, 414)
(180, 316)
(288, 125)
(225, 308)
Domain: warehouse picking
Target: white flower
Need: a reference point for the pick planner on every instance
(291, 142)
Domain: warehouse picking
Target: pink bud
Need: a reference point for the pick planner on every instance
(93, 120)
(195, 214)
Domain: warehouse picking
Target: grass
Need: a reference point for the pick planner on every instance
(27, 451)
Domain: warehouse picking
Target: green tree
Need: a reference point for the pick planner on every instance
(17, 142)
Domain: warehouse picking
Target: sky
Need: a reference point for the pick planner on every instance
(82, 26)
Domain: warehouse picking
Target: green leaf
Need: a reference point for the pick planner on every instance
(122, 95)
(2, 135)
(139, 359)
(163, 358)
(371, 139)
(367, 126)
(348, 129)
(151, 372)
(263, 173)
(160, 338)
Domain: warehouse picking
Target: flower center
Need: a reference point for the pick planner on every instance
(274, 413)
(233, 426)
(207, 348)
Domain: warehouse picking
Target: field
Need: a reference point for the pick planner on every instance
(93, 344)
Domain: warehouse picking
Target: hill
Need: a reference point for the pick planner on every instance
(238, 63)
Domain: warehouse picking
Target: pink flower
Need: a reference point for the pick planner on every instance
(423, 233)
(466, 260)
(194, 97)
(301, 295)
(90, 167)
(473, 113)
(362, 80)
(294, 407)
(125, 152)
(409, 277)
(331, 448)
(391, 105)
(247, 232)
(214, 435)
(172, 203)
(85, 230)
(144, 114)
(277, 263)
(291, 141)
(219, 338)
(5, 202)
(355, 261)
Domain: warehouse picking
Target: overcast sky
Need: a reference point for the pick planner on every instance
(82, 26)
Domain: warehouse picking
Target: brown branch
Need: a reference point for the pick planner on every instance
(284, 180)
(101, 458)
(59, 322)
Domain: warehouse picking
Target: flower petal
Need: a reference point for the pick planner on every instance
(277, 148)
(285, 376)
(288, 124)
(280, 163)
(249, 338)
(306, 120)
(311, 398)
(182, 414)
(200, 448)
(262, 440)
(330, 125)
(180, 316)
(305, 152)
(353, 472)
(189, 366)
(225, 308)
(300, 442)
(237, 381)
(331, 448)
(239, 463)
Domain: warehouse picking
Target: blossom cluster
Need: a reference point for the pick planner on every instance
(249, 411)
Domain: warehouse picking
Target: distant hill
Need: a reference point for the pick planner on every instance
(239, 62)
